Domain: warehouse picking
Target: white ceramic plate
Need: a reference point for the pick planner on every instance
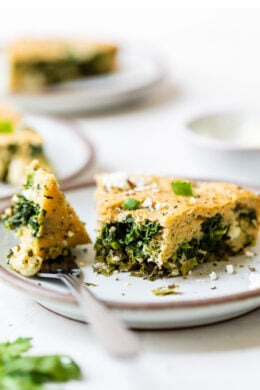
(200, 301)
(137, 74)
(68, 151)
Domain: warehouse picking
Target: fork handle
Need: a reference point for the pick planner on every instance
(110, 331)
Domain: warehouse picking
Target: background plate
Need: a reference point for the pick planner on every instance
(137, 74)
(68, 151)
(200, 301)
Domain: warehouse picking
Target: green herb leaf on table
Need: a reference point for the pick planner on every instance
(10, 350)
(30, 372)
(131, 204)
(181, 187)
(18, 383)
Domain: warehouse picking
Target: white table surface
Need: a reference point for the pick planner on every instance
(213, 61)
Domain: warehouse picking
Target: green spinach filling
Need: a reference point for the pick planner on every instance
(248, 215)
(247, 218)
(13, 148)
(23, 213)
(171, 289)
(68, 68)
(35, 150)
(126, 245)
(210, 246)
(129, 246)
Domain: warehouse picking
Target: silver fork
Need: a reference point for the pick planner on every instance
(110, 331)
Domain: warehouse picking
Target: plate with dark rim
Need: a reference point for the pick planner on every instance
(69, 152)
(200, 300)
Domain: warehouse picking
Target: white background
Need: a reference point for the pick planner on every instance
(212, 59)
(213, 62)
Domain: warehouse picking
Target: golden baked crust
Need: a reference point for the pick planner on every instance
(7, 113)
(43, 220)
(181, 218)
(31, 50)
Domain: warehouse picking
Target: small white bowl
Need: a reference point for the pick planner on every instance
(227, 131)
(226, 145)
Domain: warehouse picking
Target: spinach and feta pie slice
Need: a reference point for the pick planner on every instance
(158, 227)
(37, 63)
(19, 145)
(43, 220)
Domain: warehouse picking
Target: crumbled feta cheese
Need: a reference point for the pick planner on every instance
(116, 180)
(29, 194)
(159, 206)
(254, 281)
(139, 184)
(112, 229)
(24, 261)
(116, 258)
(15, 198)
(8, 211)
(142, 184)
(230, 269)
(213, 276)
(130, 192)
(249, 254)
(234, 231)
(192, 200)
(147, 203)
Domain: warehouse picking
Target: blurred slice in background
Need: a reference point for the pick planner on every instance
(61, 76)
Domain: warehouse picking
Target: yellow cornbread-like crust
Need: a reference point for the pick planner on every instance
(180, 217)
(7, 113)
(53, 49)
(60, 227)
